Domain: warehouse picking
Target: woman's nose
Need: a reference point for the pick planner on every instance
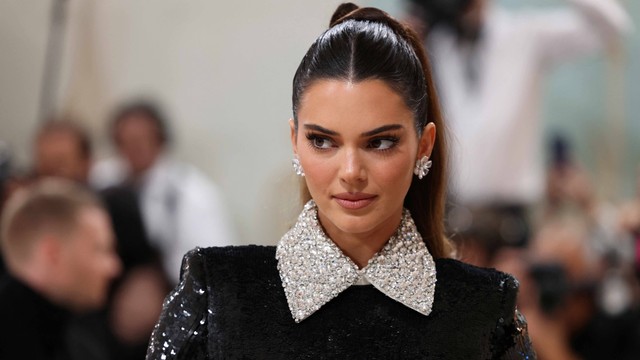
(352, 167)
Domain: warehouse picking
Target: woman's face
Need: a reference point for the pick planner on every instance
(358, 145)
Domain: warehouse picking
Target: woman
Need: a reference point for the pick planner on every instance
(355, 277)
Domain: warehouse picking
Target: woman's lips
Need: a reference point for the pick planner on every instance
(354, 201)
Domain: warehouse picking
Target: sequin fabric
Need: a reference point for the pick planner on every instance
(314, 270)
(181, 318)
(522, 349)
(231, 304)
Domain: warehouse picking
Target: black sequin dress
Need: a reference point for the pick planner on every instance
(231, 304)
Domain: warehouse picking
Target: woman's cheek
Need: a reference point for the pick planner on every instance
(318, 173)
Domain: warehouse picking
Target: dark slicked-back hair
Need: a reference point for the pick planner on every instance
(366, 44)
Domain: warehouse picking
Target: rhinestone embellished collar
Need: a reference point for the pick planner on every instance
(314, 270)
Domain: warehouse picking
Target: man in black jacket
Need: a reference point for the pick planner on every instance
(59, 250)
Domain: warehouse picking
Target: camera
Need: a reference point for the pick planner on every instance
(553, 285)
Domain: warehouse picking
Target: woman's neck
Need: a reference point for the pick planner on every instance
(361, 247)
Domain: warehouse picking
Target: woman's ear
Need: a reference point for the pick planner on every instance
(294, 138)
(427, 140)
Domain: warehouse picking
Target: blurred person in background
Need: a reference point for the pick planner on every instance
(489, 64)
(62, 148)
(60, 252)
(629, 223)
(479, 237)
(568, 187)
(181, 208)
(562, 279)
(570, 192)
(565, 272)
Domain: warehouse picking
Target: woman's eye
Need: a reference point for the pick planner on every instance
(321, 143)
(382, 144)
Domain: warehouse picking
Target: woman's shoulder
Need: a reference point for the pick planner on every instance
(455, 271)
(229, 262)
(461, 284)
(228, 253)
(231, 251)
(471, 298)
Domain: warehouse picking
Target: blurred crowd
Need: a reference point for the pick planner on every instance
(91, 248)
(576, 258)
(157, 208)
(575, 255)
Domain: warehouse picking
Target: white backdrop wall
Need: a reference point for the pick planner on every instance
(23, 30)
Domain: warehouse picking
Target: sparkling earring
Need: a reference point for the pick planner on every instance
(422, 167)
(297, 168)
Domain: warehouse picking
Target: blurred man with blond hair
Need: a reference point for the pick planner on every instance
(58, 246)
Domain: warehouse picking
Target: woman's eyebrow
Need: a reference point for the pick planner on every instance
(382, 129)
(320, 129)
(375, 131)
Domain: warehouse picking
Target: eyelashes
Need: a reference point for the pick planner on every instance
(319, 142)
(380, 144)
(385, 143)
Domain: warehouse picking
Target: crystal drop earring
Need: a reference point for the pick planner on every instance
(297, 168)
